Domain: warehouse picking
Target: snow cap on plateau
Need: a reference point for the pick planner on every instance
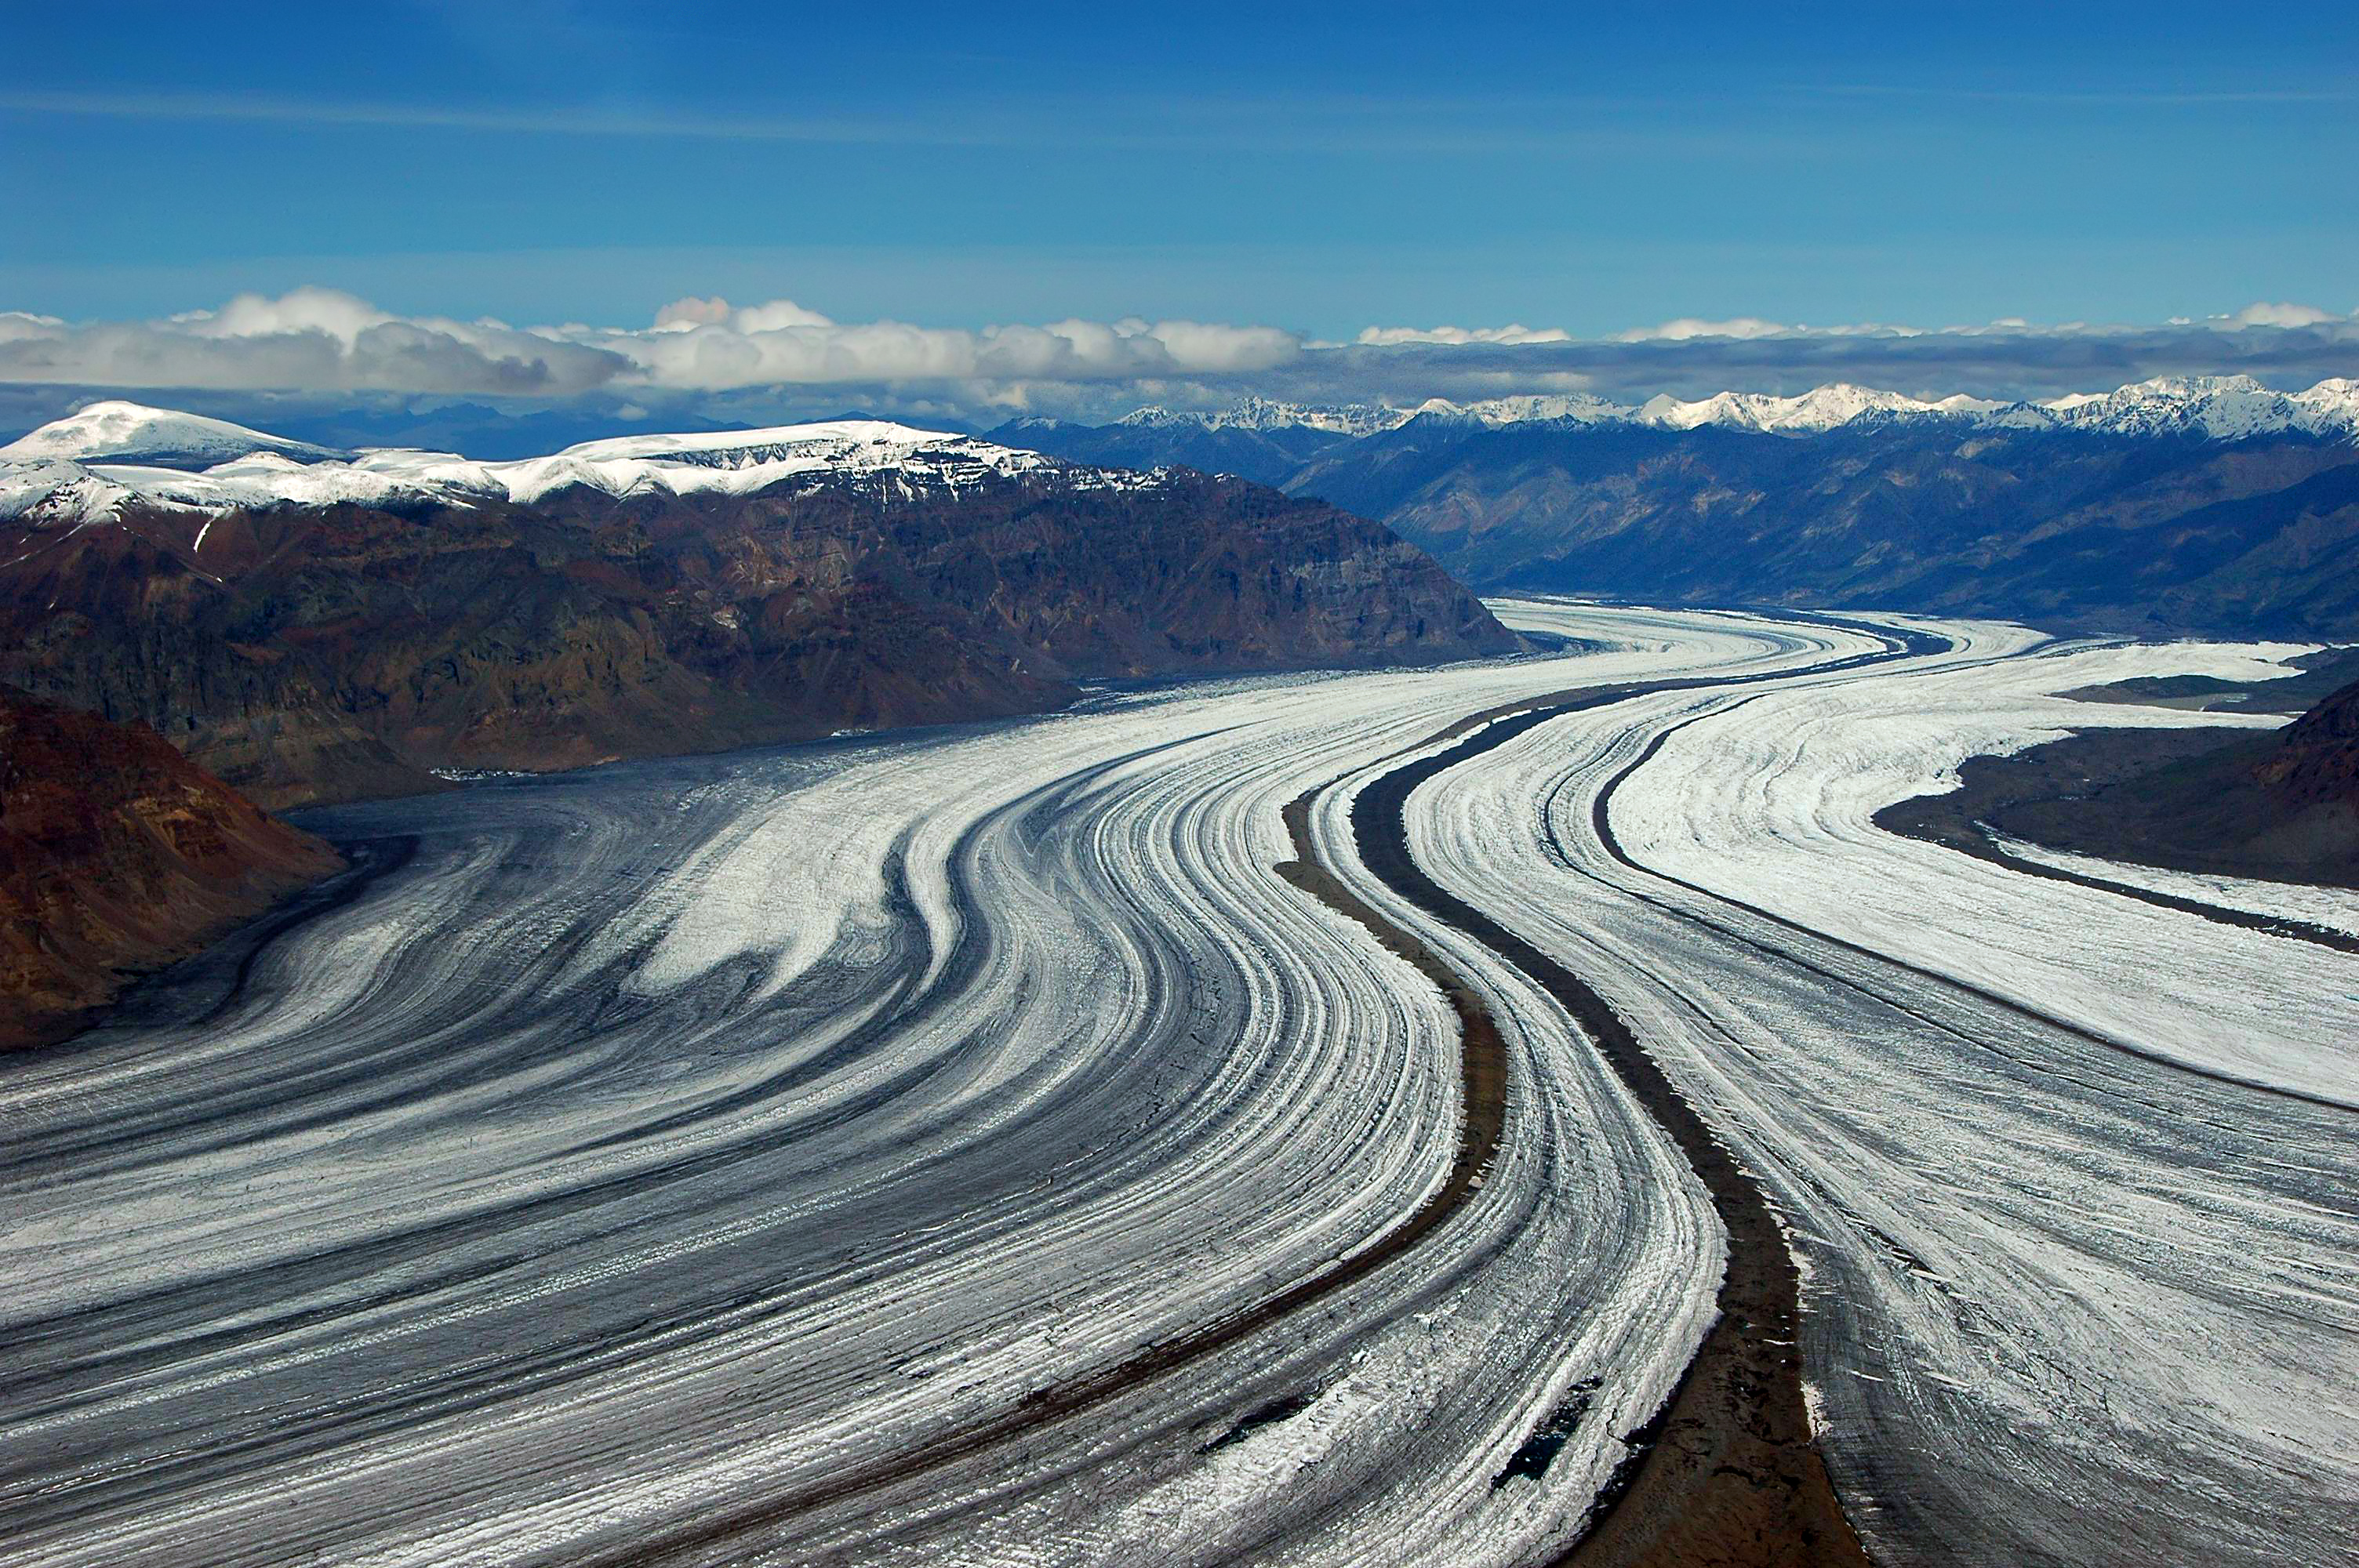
(734, 462)
(133, 432)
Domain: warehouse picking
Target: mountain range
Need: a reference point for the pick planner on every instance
(314, 624)
(2180, 506)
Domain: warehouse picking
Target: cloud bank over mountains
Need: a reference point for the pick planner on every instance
(730, 359)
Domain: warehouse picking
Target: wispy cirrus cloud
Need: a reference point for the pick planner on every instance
(266, 108)
(1554, 128)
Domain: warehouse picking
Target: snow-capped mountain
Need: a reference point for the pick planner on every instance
(658, 593)
(1262, 414)
(2221, 408)
(118, 432)
(2331, 404)
(110, 454)
(1532, 408)
(57, 485)
(2230, 407)
(1820, 409)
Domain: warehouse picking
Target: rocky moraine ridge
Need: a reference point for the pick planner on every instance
(316, 625)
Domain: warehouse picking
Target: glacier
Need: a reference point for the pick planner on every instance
(669, 1160)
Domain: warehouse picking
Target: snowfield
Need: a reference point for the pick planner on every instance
(650, 1163)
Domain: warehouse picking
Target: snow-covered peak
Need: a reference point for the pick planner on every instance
(2222, 406)
(55, 489)
(737, 462)
(2331, 404)
(743, 461)
(1819, 409)
(2231, 408)
(719, 448)
(2217, 407)
(116, 431)
(1263, 413)
(111, 454)
(1574, 408)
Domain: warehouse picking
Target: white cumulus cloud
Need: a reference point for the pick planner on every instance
(310, 339)
(2261, 313)
(710, 345)
(722, 360)
(321, 340)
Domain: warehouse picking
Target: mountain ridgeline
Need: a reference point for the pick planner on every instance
(2195, 506)
(341, 625)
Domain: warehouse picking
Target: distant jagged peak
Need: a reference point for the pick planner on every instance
(1266, 414)
(2333, 402)
(1819, 409)
(2221, 407)
(112, 454)
(1154, 414)
(1966, 404)
(122, 432)
(2217, 407)
(1550, 408)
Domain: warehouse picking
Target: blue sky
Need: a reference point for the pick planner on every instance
(1316, 169)
(1320, 168)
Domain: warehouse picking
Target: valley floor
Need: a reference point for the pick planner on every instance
(746, 1159)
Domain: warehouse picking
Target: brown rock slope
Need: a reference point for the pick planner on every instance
(116, 854)
(2317, 761)
(331, 653)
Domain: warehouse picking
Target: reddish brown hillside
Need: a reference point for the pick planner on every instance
(117, 854)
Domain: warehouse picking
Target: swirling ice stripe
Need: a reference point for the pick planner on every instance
(2071, 1173)
(667, 1138)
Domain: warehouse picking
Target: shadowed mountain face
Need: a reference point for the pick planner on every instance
(330, 652)
(116, 853)
(2172, 532)
(2316, 766)
(2113, 532)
